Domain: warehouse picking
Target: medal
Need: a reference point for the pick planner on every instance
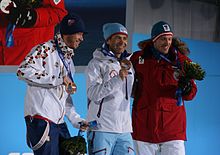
(71, 88)
(176, 74)
(125, 64)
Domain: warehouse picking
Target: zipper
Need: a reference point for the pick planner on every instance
(100, 151)
(100, 108)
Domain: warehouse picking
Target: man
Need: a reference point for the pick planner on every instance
(159, 124)
(109, 82)
(34, 22)
(48, 71)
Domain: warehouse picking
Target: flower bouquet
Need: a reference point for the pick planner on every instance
(191, 71)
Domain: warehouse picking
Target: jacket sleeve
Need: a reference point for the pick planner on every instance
(71, 113)
(38, 70)
(192, 93)
(51, 13)
(97, 87)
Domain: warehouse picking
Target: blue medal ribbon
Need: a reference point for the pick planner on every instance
(9, 35)
(106, 52)
(178, 66)
(67, 65)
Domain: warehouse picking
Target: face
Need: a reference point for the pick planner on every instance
(162, 44)
(117, 44)
(73, 40)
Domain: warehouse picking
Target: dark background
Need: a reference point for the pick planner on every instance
(95, 13)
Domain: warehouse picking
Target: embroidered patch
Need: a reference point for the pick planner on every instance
(166, 27)
(141, 60)
(71, 22)
(113, 73)
(56, 1)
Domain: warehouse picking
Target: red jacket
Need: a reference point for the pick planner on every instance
(155, 115)
(48, 15)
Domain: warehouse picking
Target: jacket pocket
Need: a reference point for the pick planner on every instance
(37, 133)
(172, 118)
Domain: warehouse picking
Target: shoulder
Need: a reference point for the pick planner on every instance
(183, 57)
(136, 55)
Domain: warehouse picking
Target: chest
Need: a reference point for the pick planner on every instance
(156, 71)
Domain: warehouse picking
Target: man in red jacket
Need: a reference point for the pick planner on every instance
(34, 24)
(159, 124)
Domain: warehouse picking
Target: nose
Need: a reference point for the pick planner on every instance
(167, 41)
(123, 42)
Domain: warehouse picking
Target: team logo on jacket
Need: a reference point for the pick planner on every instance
(141, 60)
(56, 1)
(113, 73)
(71, 22)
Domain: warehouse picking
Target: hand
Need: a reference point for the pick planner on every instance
(125, 64)
(123, 73)
(185, 85)
(22, 17)
(84, 125)
(69, 85)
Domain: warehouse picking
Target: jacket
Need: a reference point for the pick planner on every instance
(43, 71)
(155, 116)
(49, 13)
(106, 92)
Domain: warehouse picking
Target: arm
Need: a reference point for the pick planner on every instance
(188, 85)
(97, 87)
(192, 92)
(71, 113)
(50, 14)
(38, 68)
(46, 13)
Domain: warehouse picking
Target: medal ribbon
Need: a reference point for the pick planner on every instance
(67, 65)
(179, 90)
(9, 35)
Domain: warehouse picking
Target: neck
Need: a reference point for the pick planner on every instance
(117, 55)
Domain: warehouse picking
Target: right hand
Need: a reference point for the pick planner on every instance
(22, 17)
(70, 86)
(84, 125)
(123, 73)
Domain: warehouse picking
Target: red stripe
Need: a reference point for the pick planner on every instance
(162, 34)
(39, 117)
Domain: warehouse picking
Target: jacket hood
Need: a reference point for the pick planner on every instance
(176, 43)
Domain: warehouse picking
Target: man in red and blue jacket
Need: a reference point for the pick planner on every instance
(159, 124)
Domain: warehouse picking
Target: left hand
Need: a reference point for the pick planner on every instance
(84, 125)
(185, 85)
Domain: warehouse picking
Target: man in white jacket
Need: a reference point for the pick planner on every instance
(48, 71)
(109, 84)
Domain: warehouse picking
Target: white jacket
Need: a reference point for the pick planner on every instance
(106, 94)
(43, 70)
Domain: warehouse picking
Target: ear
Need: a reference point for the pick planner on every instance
(108, 41)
